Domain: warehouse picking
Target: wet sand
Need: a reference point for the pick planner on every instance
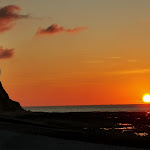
(10, 140)
(123, 129)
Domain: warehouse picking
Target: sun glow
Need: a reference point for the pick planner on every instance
(146, 98)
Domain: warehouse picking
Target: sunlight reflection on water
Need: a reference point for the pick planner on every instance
(141, 134)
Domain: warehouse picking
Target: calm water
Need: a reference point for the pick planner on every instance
(92, 108)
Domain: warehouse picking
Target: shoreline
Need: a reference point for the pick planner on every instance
(91, 108)
(11, 140)
(69, 126)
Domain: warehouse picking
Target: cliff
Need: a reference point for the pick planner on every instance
(6, 104)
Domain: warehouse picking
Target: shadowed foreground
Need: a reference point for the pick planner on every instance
(19, 141)
(128, 129)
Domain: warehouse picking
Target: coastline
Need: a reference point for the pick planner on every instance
(91, 108)
(11, 140)
(69, 126)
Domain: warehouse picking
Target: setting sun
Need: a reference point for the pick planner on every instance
(146, 98)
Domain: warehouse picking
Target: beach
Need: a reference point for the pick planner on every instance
(98, 130)
(11, 140)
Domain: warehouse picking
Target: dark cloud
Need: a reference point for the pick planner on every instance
(54, 28)
(8, 16)
(6, 53)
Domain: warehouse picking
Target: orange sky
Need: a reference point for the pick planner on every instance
(75, 53)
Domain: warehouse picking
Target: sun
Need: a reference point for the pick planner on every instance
(146, 98)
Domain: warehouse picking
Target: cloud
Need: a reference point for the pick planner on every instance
(112, 57)
(93, 61)
(125, 72)
(54, 29)
(8, 16)
(6, 53)
(135, 71)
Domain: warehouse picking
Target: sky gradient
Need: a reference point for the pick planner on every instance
(83, 52)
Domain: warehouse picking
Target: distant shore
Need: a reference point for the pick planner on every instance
(92, 108)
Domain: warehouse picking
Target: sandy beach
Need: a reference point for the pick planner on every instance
(10, 140)
(66, 131)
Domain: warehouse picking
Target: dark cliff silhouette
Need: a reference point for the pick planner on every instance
(6, 104)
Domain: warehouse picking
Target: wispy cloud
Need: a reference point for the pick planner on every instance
(114, 57)
(55, 29)
(63, 85)
(8, 16)
(93, 61)
(6, 53)
(125, 72)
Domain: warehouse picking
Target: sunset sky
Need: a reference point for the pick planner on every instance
(75, 52)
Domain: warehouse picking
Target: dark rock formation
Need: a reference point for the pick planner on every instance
(6, 104)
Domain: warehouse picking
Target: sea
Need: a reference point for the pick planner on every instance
(91, 108)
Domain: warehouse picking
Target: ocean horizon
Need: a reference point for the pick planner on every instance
(91, 108)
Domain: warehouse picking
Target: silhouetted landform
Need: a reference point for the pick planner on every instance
(6, 104)
(130, 129)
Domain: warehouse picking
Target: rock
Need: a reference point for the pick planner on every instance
(6, 104)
